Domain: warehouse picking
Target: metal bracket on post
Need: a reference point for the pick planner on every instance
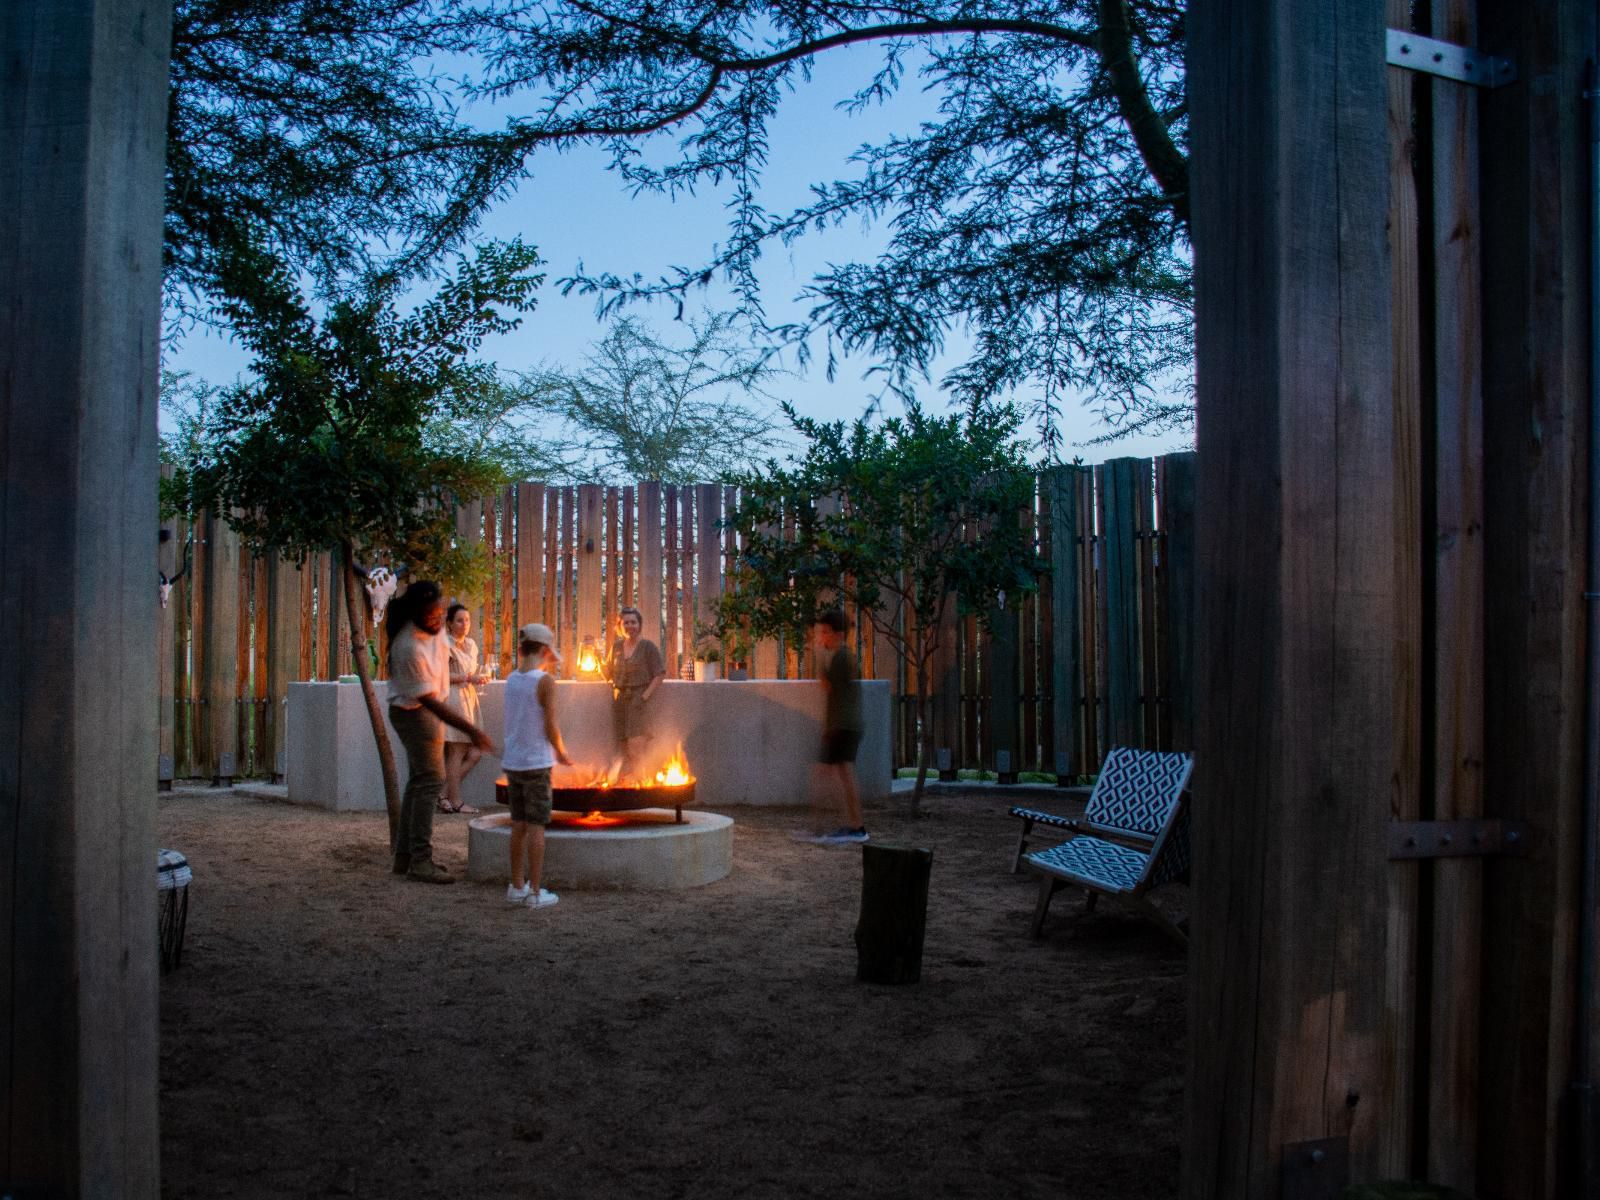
(1456, 839)
(225, 770)
(164, 773)
(1315, 1170)
(1449, 61)
(943, 764)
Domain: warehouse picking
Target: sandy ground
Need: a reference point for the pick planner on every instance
(335, 1031)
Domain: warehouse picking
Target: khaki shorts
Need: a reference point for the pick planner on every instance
(529, 795)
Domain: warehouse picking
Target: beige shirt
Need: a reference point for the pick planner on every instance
(419, 665)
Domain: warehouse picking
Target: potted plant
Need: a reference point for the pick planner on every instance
(707, 662)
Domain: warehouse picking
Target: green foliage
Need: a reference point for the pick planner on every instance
(640, 407)
(893, 517)
(1043, 211)
(326, 448)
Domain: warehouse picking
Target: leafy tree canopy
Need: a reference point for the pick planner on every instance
(1043, 210)
(899, 519)
(326, 448)
(639, 407)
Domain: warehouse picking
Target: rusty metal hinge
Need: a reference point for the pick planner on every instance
(1456, 839)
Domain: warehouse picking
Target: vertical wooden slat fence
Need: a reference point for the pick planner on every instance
(1100, 655)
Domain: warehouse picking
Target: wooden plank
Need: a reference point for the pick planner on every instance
(1295, 587)
(84, 94)
(791, 649)
(1066, 627)
(220, 687)
(1125, 725)
(306, 667)
(708, 557)
(530, 562)
(567, 601)
(1178, 600)
(1396, 1145)
(262, 758)
(243, 692)
(196, 734)
(169, 558)
(1458, 749)
(1028, 614)
(552, 555)
(1145, 553)
(588, 546)
(1101, 713)
(284, 619)
(627, 585)
(971, 753)
(669, 633)
(613, 566)
(729, 563)
(648, 598)
(338, 655)
(482, 603)
(1536, 342)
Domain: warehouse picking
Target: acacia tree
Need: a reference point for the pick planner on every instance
(325, 449)
(905, 497)
(1043, 209)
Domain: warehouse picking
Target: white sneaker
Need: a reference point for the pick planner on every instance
(515, 895)
(541, 899)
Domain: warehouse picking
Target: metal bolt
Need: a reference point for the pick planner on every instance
(1317, 1157)
(1513, 837)
(1411, 841)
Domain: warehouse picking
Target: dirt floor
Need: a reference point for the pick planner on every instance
(336, 1031)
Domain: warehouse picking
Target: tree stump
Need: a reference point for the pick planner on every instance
(894, 913)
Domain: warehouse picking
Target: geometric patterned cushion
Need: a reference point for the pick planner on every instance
(1174, 861)
(1136, 790)
(172, 870)
(1108, 866)
(1044, 818)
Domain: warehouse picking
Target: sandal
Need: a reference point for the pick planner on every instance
(445, 808)
(468, 810)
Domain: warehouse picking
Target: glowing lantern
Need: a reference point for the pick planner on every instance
(588, 657)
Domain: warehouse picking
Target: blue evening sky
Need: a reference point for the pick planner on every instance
(575, 211)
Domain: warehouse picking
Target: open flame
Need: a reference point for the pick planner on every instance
(676, 772)
(598, 820)
(588, 661)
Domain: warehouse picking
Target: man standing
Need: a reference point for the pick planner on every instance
(842, 726)
(419, 683)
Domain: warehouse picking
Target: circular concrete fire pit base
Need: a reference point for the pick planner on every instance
(648, 850)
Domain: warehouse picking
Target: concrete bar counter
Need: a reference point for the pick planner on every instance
(747, 742)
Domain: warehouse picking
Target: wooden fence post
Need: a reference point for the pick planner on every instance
(83, 99)
(1295, 589)
(220, 692)
(1065, 627)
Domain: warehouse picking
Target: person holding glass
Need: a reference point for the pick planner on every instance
(466, 675)
(635, 668)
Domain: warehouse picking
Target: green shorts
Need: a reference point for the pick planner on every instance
(529, 795)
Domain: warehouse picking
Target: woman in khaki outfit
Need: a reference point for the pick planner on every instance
(635, 670)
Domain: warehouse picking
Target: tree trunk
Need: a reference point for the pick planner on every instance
(924, 735)
(356, 609)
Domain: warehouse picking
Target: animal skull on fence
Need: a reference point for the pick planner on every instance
(168, 581)
(380, 583)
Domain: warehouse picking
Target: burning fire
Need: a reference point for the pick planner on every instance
(598, 820)
(676, 772)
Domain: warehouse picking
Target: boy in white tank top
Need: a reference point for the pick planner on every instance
(533, 746)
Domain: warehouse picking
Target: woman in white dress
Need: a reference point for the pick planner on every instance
(460, 755)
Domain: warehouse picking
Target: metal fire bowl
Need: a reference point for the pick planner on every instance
(608, 799)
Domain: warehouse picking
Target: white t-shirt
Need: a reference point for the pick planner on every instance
(419, 665)
(527, 748)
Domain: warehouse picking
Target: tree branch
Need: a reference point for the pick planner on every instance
(1162, 158)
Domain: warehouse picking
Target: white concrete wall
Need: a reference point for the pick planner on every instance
(751, 742)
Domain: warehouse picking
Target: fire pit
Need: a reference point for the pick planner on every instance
(598, 798)
(673, 787)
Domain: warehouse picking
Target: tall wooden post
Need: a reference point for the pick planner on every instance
(1295, 592)
(82, 102)
(1535, 380)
